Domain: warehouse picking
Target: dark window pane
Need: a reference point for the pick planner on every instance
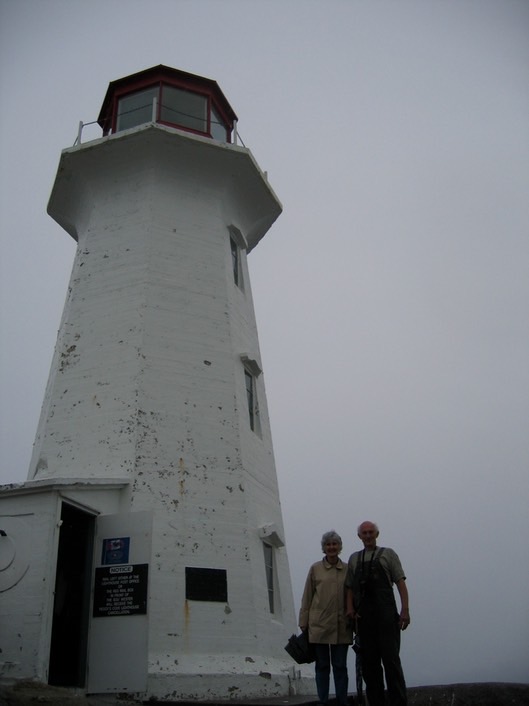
(235, 260)
(249, 394)
(269, 571)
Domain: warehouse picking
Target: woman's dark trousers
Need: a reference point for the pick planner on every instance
(335, 656)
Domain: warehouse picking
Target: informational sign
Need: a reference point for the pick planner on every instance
(120, 590)
(115, 550)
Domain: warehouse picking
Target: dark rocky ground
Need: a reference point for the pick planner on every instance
(487, 694)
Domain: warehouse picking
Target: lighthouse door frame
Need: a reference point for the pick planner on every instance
(69, 634)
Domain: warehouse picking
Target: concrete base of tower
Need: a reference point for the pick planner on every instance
(230, 678)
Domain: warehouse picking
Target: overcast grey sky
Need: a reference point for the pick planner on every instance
(391, 295)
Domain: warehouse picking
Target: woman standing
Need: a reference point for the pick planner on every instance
(322, 613)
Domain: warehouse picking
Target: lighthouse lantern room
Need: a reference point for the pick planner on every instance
(169, 97)
(145, 554)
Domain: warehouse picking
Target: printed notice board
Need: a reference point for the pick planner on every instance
(120, 590)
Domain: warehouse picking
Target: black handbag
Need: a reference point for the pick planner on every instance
(300, 649)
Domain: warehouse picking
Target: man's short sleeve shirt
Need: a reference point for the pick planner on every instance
(389, 561)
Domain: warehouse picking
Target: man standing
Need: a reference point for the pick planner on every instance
(371, 604)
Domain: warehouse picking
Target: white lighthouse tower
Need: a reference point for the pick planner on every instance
(145, 552)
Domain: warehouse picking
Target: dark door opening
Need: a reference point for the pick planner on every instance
(69, 635)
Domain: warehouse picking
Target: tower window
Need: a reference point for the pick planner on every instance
(269, 570)
(235, 261)
(238, 247)
(251, 373)
(251, 397)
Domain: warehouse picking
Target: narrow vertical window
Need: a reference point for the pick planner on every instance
(238, 248)
(269, 570)
(252, 371)
(235, 261)
(250, 396)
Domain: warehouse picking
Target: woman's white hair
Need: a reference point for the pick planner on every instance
(330, 536)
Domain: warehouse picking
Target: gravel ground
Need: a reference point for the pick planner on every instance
(488, 694)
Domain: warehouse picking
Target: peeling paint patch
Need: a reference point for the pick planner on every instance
(67, 358)
(182, 472)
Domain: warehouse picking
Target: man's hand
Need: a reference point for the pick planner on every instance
(404, 620)
(404, 617)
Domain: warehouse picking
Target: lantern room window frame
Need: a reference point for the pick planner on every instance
(217, 107)
(160, 105)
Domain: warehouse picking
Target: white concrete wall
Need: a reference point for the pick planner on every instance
(26, 584)
(30, 517)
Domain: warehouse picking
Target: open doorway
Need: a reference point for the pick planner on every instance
(69, 636)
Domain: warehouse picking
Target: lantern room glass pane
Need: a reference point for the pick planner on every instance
(184, 108)
(218, 128)
(136, 108)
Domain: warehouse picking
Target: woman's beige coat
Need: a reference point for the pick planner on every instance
(323, 604)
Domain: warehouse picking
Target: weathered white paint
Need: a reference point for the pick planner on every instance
(146, 408)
